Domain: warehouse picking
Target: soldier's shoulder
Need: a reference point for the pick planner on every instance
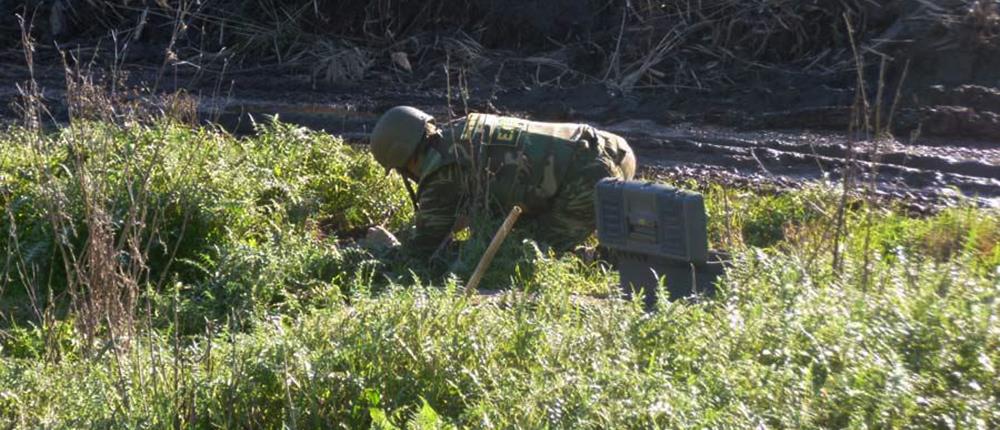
(441, 165)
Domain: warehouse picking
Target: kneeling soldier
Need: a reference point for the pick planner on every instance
(549, 169)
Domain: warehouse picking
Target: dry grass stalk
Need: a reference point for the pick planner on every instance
(104, 253)
(30, 106)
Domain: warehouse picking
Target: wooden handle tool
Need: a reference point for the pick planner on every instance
(491, 251)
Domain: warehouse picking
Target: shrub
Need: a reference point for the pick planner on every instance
(188, 205)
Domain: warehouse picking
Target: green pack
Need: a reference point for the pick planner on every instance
(524, 162)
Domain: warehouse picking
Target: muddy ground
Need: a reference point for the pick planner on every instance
(946, 150)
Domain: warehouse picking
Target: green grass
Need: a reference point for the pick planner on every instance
(266, 319)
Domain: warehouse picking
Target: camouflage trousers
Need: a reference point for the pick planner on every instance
(571, 218)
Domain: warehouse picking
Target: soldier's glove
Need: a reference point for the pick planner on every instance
(534, 250)
(378, 238)
(586, 254)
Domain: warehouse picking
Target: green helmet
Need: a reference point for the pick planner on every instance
(397, 134)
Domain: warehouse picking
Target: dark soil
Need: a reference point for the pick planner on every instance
(956, 158)
(936, 159)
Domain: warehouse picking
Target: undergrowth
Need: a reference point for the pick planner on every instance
(235, 222)
(255, 309)
(705, 45)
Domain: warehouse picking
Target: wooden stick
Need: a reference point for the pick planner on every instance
(491, 251)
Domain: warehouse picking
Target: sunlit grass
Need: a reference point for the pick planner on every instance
(269, 321)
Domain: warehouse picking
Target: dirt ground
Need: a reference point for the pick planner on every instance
(946, 150)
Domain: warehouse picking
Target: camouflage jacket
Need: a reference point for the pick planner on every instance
(496, 162)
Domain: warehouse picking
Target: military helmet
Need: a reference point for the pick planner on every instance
(397, 134)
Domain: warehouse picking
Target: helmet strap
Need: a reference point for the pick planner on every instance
(409, 189)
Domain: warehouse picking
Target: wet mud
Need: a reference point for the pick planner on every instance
(946, 152)
(960, 165)
(925, 173)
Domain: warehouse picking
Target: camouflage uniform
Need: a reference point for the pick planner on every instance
(550, 169)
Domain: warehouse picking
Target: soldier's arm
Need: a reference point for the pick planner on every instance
(440, 195)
